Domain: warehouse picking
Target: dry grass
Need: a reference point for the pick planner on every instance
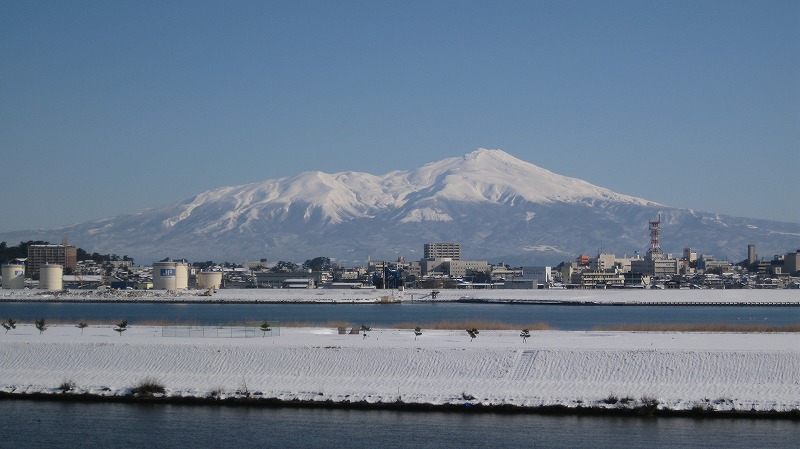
(73, 323)
(162, 322)
(67, 385)
(699, 327)
(334, 324)
(148, 386)
(472, 324)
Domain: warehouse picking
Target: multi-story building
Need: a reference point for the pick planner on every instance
(446, 267)
(791, 262)
(711, 264)
(690, 255)
(442, 251)
(64, 255)
(603, 262)
(655, 267)
(462, 268)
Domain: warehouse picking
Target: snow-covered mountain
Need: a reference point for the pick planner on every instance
(498, 207)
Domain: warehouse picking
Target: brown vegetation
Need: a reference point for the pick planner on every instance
(698, 327)
(473, 324)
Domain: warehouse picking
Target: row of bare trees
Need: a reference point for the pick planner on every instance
(41, 325)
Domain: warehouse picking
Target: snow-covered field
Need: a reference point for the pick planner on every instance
(681, 371)
(631, 296)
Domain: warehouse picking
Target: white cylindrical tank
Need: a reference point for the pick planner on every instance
(13, 276)
(51, 277)
(209, 279)
(170, 276)
(182, 276)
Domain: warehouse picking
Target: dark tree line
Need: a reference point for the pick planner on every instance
(316, 264)
(210, 264)
(9, 253)
(100, 258)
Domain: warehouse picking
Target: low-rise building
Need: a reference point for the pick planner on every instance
(295, 279)
(602, 279)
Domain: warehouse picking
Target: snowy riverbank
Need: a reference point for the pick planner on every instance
(611, 370)
(599, 297)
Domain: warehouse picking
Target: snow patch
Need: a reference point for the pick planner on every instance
(425, 214)
(544, 248)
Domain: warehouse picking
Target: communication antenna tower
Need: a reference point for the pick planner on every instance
(655, 247)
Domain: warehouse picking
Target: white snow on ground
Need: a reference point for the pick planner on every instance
(720, 371)
(624, 296)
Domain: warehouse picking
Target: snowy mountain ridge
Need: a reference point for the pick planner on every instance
(496, 206)
(482, 176)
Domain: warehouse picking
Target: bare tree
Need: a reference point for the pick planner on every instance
(265, 327)
(10, 324)
(121, 327)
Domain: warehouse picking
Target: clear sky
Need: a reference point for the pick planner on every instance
(108, 107)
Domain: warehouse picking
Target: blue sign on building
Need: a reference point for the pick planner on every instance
(167, 272)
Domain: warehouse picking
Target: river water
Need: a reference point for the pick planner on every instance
(563, 317)
(95, 425)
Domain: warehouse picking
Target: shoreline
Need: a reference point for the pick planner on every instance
(636, 411)
(376, 301)
(685, 298)
(361, 302)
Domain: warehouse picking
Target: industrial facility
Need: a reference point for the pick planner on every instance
(170, 276)
(13, 276)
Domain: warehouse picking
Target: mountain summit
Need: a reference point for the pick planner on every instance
(480, 177)
(497, 206)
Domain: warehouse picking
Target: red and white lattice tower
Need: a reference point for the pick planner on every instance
(655, 247)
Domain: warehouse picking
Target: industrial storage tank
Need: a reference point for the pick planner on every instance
(182, 276)
(170, 276)
(209, 279)
(51, 277)
(13, 276)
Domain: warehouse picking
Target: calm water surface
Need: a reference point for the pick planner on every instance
(565, 317)
(50, 424)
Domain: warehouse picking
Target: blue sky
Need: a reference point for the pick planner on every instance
(110, 107)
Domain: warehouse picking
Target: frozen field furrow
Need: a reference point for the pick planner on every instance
(760, 371)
